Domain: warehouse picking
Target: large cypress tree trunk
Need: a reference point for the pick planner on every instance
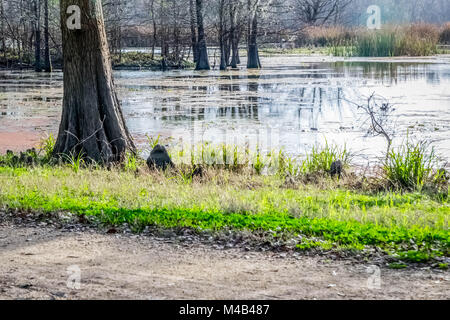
(203, 61)
(47, 59)
(92, 121)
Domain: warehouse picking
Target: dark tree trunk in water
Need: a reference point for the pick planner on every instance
(238, 40)
(253, 61)
(47, 58)
(194, 42)
(227, 49)
(37, 36)
(92, 121)
(203, 61)
(223, 62)
(233, 36)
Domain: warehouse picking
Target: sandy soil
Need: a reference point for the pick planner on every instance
(34, 264)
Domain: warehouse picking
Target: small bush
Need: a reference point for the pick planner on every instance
(324, 36)
(419, 40)
(20, 160)
(444, 36)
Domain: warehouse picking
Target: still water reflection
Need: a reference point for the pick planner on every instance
(293, 103)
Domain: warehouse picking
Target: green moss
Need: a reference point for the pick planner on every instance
(397, 266)
(443, 266)
(307, 244)
(419, 255)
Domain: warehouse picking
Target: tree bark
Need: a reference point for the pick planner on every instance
(92, 122)
(152, 11)
(233, 36)
(253, 61)
(37, 36)
(227, 48)
(47, 58)
(223, 62)
(163, 31)
(2, 29)
(238, 40)
(194, 41)
(203, 60)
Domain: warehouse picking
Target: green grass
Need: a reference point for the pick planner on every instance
(318, 161)
(418, 39)
(376, 45)
(320, 158)
(241, 190)
(414, 40)
(411, 165)
(410, 226)
(46, 146)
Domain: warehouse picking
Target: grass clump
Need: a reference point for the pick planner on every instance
(239, 159)
(419, 39)
(376, 44)
(413, 40)
(46, 146)
(320, 159)
(394, 43)
(411, 165)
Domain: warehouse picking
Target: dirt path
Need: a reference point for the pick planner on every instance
(34, 263)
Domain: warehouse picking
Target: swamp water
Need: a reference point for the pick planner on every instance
(292, 104)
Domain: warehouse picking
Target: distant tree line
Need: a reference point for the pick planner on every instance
(177, 30)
